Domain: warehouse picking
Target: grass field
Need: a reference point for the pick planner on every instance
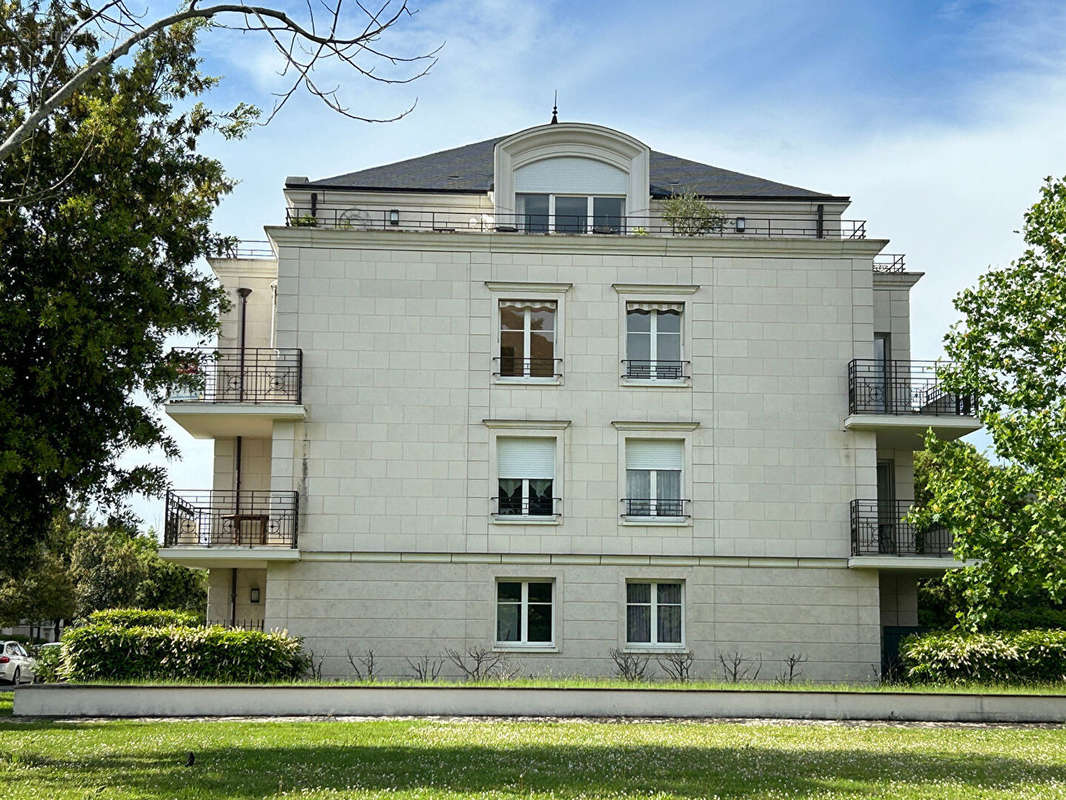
(505, 759)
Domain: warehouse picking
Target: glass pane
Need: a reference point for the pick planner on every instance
(638, 492)
(638, 624)
(532, 212)
(638, 320)
(668, 484)
(510, 497)
(638, 592)
(540, 499)
(542, 318)
(669, 347)
(542, 354)
(540, 592)
(571, 214)
(512, 318)
(540, 623)
(509, 590)
(507, 622)
(512, 353)
(669, 322)
(669, 628)
(607, 214)
(670, 593)
(638, 349)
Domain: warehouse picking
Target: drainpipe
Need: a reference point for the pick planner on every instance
(240, 341)
(233, 597)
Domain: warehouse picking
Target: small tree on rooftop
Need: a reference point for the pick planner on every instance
(689, 215)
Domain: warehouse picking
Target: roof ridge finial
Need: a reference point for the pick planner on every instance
(555, 110)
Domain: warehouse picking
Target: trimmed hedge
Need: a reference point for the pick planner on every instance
(143, 618)
(1000, 657)
(108, 652)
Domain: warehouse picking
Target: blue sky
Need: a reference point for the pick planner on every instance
(939, 119)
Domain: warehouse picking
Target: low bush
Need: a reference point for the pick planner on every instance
(49, 662)
(142, 618)
(103, 651)
(999, 657)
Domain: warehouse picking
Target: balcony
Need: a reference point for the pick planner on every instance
(359, 219)
(652, 511)
(507, 369)
(528, 510)
(232, 391)
(901, 399)
(641, 371)
(214, 528)
(883, 536)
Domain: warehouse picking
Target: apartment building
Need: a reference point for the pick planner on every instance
(491, 397)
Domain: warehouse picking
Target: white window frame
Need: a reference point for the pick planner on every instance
(527, 339)
(653, 344)
(523, 615)
(533, 292)
(656, 430)
(653, 644)
(677, 294)
(532, 429)
(590, 198)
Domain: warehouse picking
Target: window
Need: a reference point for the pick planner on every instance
(524, 612)
(541, 213)
(527, 338)
(653, 478)
(526, 468)
(654, 613)
(653, 341)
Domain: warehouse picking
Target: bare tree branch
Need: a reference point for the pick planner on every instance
(303, 46)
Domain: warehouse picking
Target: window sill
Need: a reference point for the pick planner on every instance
(502, 380)
(514, 647)
(655, 649)
(665, 522)
(518, 519)
(655, 383)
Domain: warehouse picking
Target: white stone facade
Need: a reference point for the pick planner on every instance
(395, 459)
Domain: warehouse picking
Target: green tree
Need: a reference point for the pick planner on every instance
(97, 269)
(688, 214)
(1010, 350)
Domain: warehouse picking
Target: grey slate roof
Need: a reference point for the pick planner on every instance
(468, 169)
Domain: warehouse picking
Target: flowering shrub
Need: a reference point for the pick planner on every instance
(142, 618)
(998, 657)
(102, 651)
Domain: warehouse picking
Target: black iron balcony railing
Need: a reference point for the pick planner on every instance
(235, 375)
(512, 507)
(511, 367)
(883, 527)
(903, 387)
(654, 507)
(363, 219)
(889, 262)
(209, 518)
(636, 369)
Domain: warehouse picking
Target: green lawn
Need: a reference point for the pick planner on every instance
(474, 759)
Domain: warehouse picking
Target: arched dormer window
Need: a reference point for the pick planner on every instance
(570, 178)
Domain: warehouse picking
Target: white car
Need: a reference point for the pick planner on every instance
(16, 665)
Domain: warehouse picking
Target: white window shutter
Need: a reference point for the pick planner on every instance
(521, 457)
(667, 454)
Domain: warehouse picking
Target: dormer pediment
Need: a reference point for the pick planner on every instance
(572, 158)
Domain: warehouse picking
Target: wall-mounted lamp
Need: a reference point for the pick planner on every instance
(742, 223)
(255, 594)
(394, 217)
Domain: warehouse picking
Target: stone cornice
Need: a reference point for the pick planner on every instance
(573, 244)
(653, 288)
(640, 425)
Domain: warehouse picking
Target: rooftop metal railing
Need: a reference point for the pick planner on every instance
(347, 218)
(890, 262)
(246, 248)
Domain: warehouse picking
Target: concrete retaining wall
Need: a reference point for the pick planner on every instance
(213, 701)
